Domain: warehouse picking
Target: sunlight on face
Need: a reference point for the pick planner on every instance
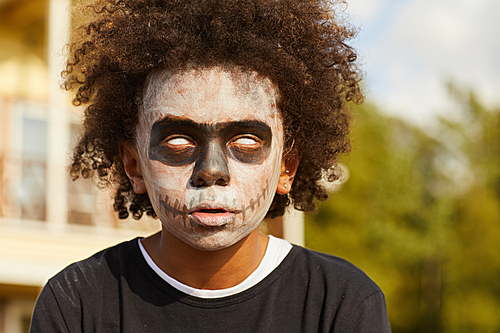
(210, 145)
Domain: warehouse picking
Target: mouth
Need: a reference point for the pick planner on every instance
(211, 217)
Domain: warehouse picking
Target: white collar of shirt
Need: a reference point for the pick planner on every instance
(277, 249)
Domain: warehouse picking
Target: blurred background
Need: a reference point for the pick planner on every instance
(418, 210)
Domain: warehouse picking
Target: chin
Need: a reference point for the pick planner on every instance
(214, 242)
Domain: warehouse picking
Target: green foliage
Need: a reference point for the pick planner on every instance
(420, 215)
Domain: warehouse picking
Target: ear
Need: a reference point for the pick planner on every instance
(289, 165)
(132, 166)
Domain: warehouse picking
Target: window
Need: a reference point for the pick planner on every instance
(32, 189)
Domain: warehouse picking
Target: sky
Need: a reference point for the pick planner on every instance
(410, 50)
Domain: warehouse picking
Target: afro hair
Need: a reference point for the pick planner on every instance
(300, 45)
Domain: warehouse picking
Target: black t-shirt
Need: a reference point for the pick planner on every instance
(117, 291)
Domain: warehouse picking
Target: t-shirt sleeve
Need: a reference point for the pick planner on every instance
(47, 315)
(370, 316)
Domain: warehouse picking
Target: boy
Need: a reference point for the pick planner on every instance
(204, 114)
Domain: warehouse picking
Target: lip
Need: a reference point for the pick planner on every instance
(211, 214)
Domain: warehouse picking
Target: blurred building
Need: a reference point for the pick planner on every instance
(46, 220)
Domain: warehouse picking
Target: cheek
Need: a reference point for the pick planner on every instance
(162, 179)
(250, 180)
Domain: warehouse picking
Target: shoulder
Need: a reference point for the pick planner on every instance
(334, 269)
(348, 297)
(86, 271)
(78, 289)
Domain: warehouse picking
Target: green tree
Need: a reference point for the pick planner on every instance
(388, 218)
(420, 214)
(472, 294)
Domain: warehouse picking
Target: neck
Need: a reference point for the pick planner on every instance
(200, 269)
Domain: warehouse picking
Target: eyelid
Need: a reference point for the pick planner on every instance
(244, 137)
(182, 140)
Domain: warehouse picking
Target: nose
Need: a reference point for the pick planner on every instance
(211, 167)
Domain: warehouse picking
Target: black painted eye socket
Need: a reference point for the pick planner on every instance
(178, 148)
(182, 141)
(175, 149)
(247, 148)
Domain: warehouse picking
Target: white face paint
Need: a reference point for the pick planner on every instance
(210, 146)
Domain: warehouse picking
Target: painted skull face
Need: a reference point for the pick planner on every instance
(210, 144)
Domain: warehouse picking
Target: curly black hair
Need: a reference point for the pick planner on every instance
(300, 45)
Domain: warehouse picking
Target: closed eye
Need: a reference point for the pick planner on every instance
(246, 141)
(178, 142)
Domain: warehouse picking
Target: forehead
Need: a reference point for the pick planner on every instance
(209, 96)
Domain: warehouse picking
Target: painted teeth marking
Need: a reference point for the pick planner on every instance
(176, 209)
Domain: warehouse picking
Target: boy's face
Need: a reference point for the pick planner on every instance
(209, 145)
